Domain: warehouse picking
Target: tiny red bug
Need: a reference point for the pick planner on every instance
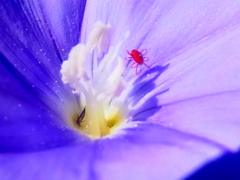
(138, 58)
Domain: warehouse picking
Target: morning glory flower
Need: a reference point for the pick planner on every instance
(74, 107)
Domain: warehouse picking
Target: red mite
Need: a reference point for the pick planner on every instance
(138, 58)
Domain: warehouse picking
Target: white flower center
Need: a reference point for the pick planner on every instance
(94, 71)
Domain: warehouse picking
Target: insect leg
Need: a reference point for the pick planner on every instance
(136, 69)
(129, 53)
(146, 65)
(144, 51)
(133, 64)
(128, 58)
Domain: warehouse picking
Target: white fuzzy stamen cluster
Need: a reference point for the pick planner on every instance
(94, 70)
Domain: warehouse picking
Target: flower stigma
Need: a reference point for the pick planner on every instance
(94, 72)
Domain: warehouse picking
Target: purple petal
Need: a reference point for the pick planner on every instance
(147, 151)
(143, 151)
(208, 68)
(164, 28)
(36, 36)
(27, 122)
(203, 99)
(72, 162)
(200, 42)
(202, 48)
(214, 117)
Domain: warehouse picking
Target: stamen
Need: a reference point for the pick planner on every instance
(115, 82)
(99, 37)
(74, 67)
(99, 91)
